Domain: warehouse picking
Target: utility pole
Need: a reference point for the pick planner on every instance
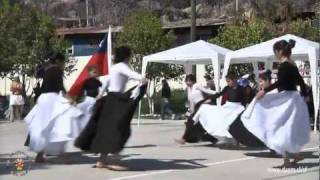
(237, 11)
(193, 28)
(193, 21)
(219, 7)
(237, 6)
(87, 12)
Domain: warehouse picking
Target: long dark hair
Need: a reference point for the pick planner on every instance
(121, 54)
(165, 83)
(231, 76)
(191, 77)
(57, 57)
(284, 46)
(266, 76)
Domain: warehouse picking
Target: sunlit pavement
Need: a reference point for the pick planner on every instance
(152, 154)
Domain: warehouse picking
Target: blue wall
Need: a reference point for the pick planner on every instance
(84, 45)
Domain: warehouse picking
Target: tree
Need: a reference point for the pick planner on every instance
(304, 29)
(142, 32)
(239, 36)
(246, 34)
(27, 37)
(236, 37)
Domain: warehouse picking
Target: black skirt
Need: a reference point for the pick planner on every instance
(109, 127)
(195, 132)
(244, 136)
(27, 141)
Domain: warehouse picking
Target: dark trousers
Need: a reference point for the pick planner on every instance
(165, 108)
(194, 132)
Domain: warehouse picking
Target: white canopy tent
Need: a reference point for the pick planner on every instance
(304, 50)
(199, 52)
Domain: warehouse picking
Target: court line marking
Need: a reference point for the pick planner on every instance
(171, 170)
(207, 164)
(144, 174)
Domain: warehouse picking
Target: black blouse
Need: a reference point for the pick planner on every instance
(166, 92)
(91, 87)
(288, 79)
(53, 80)
(234, 94)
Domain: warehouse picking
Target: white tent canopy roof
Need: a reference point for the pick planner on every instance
(199, 52)
(264, 50)
(304, 50)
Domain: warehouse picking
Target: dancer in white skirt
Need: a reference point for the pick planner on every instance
(217, 119)
(281, 120)
(89, 92)
(50, 120)
(238, 130)
(197, 96)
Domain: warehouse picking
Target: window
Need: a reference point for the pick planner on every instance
(70, 51)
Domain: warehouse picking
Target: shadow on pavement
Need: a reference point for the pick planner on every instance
(306, 155)
(225, 146)
(161, 164)
(299, 166)
(142, 146)
(77, 158)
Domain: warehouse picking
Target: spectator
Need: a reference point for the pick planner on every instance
(16, 100)
(165, 101)
(210, 82)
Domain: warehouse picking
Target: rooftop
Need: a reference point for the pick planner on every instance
(87, 30)
(200, 22)
(166, 25)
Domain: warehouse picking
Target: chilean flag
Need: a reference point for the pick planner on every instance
(100, 59)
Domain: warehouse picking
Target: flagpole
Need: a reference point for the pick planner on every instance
(139, 113)
(109, 53)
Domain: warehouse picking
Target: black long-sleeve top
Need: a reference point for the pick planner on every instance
(91, 87)
(234, 94)
(166, 92)
(53, 80)
(288, 79)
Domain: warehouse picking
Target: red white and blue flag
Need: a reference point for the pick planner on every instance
(101, 59)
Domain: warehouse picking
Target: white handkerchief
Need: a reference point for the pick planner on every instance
(135, 93)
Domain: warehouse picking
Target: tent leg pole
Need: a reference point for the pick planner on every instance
(139, 114)
(315, 122)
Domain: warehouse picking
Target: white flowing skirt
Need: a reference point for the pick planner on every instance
(50, 123)
(86, 107)
(217, 119)
(280, 120)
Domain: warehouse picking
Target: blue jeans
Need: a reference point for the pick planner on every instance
(165, 108)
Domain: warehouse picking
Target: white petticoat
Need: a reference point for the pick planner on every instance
(50, 123)
(217, 119)
(86, 107)
(280, 120)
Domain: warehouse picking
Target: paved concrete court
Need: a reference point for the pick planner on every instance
(152, 154)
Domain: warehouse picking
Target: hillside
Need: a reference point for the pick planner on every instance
(103, 13)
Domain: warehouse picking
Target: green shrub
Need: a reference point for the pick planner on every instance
(177, 100)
